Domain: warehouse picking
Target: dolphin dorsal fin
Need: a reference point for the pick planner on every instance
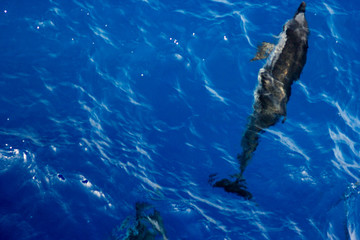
(263, 51)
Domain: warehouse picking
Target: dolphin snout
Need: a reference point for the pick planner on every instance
(301, 7)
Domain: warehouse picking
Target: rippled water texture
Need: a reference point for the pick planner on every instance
(108, 103)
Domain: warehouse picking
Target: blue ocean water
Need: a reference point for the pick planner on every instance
(106, 104)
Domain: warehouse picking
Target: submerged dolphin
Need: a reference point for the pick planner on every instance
(282, 68)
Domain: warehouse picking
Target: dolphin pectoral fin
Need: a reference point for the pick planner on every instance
(238, 186)
(283, 109)
(263, 51)
(283, 113)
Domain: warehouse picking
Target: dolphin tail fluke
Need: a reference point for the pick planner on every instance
(237, 186)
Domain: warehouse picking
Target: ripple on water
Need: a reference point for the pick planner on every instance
(109, 103)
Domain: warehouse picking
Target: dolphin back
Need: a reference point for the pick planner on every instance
(289, 57)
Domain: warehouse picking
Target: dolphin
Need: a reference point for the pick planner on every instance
(284, 65)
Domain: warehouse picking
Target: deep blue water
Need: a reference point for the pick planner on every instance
(108, 103)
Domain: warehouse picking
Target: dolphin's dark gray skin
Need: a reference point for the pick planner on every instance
(146, 224)
(282, 68)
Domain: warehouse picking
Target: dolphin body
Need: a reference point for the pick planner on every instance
(282, 68)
